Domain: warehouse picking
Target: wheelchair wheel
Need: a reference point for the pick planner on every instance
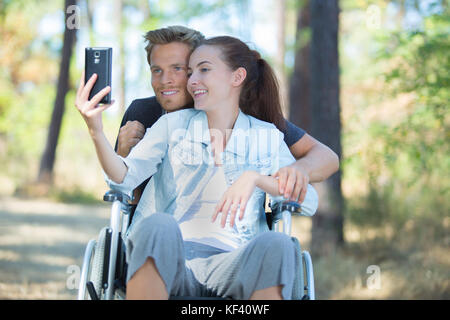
(98, 263)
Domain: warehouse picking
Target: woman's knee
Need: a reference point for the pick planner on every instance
(276, 242)
(158, 237)
(158, 223)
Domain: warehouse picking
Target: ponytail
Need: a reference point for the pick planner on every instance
(260, 96)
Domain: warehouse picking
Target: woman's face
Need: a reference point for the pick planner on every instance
(210, 79)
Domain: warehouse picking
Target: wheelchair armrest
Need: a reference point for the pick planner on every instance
(113, 195)
(278, 208)
(279, 211)
(291, 206)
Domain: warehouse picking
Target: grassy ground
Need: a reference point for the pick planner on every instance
(413, 263)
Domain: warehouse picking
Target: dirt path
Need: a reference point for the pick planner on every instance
(40, 241)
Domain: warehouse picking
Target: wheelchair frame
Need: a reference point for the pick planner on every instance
(114, 266)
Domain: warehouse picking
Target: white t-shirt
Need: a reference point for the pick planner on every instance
(196, 223)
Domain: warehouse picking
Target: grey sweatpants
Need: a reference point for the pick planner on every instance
(193, 269)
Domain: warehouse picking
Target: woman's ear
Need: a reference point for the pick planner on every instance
(239, 76)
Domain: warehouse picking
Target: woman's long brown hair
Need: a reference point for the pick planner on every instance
(260, 95)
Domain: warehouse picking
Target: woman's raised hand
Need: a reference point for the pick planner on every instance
(90, 109)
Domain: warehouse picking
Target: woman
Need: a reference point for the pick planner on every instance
(200, 225)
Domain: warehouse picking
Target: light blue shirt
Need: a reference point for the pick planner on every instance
(196, 224)
(176, 151)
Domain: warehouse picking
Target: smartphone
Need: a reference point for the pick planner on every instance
(99, 61)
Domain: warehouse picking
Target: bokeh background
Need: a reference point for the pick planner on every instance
(369, 78)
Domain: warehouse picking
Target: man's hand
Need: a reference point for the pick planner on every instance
(129, 135)
(292, 182)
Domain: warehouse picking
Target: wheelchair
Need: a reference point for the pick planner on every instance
(103, 274)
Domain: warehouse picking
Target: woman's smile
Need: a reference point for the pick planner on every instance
(199, 93)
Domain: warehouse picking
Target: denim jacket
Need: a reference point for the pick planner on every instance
(176, 151)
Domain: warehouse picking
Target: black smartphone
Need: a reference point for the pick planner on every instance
(99, 61)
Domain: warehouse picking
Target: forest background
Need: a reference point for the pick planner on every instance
(382, 231)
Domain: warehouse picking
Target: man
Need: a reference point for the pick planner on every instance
(168, 52)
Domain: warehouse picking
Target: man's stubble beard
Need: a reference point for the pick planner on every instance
(188, 105)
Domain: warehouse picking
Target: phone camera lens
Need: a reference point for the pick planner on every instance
(97, 54)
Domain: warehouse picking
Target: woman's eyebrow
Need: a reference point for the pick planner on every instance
(200, 63)
(206, 61)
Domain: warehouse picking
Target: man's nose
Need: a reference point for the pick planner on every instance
(167, 78)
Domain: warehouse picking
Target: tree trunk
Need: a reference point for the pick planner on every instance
(45, 175)
(327, 230)
(281, 52)
(299, 93)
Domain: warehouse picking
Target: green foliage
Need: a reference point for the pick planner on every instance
(422, 136)
(408, 154)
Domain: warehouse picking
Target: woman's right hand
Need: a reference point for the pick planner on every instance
(236, 197)
(89, 109)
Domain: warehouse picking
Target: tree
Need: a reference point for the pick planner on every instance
(48, 158)
(281, 50)
(327, 230)
(299, 93)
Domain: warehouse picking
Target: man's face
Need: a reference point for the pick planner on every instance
(169, 75)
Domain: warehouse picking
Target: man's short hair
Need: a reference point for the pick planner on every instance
(170, 34)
